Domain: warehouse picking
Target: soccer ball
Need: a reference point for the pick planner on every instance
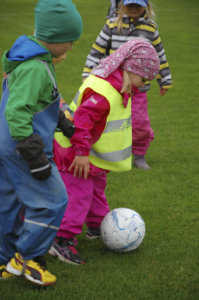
(122, 230)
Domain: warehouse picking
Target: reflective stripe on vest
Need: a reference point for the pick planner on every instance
(113, 151)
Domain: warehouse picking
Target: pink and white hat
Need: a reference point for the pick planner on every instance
(136, 56)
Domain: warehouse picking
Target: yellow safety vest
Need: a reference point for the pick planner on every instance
(113, 151)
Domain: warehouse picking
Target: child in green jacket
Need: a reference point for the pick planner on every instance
(33, 197)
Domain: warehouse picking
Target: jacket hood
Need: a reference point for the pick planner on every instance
(23, 49)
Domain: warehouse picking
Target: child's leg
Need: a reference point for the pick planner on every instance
(99, 206)
(9, 217)
(142, 131)
(80, 195)
(45, 202)
(16, 234)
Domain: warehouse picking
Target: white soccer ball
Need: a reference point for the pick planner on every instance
(122, 230)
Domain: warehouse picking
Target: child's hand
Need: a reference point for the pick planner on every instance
(67, 127)
(31, 148)
(163, 91)
(81, 166)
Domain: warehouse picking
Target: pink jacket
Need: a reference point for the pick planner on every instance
(90, 121)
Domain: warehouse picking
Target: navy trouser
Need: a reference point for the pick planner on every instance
(30, 210)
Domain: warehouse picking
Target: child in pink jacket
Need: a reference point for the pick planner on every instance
(132, 19)
(102, 141)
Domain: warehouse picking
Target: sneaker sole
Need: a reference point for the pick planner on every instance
(142, 168)
(13, 271)
(38, 282)
(54, 252)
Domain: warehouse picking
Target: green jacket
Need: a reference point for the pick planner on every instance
(30, 86)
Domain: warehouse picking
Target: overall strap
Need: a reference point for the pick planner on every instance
(55, 89)
(49, 71)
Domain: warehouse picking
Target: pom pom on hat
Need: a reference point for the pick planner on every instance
(57, 21)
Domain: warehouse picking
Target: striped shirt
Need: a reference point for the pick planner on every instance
(110, 39)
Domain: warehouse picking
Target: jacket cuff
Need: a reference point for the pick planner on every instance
(81, 152)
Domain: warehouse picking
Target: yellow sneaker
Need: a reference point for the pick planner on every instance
(4, 273)
(33, 270)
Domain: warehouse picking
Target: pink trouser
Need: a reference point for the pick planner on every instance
(86, 204)
(142, 131)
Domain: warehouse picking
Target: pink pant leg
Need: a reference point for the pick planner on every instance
(141, 127)
(99, 206)
(86, 203)
(80, 196)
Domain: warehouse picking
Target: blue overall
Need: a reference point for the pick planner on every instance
(30, 210)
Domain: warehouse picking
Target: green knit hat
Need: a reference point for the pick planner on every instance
(57, 21)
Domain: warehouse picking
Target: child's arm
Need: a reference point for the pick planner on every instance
(99, 50)
(25, 85)
(164, 76)
(90, 121)
(28, 84)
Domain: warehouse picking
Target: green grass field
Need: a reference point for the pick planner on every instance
(166, 266)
